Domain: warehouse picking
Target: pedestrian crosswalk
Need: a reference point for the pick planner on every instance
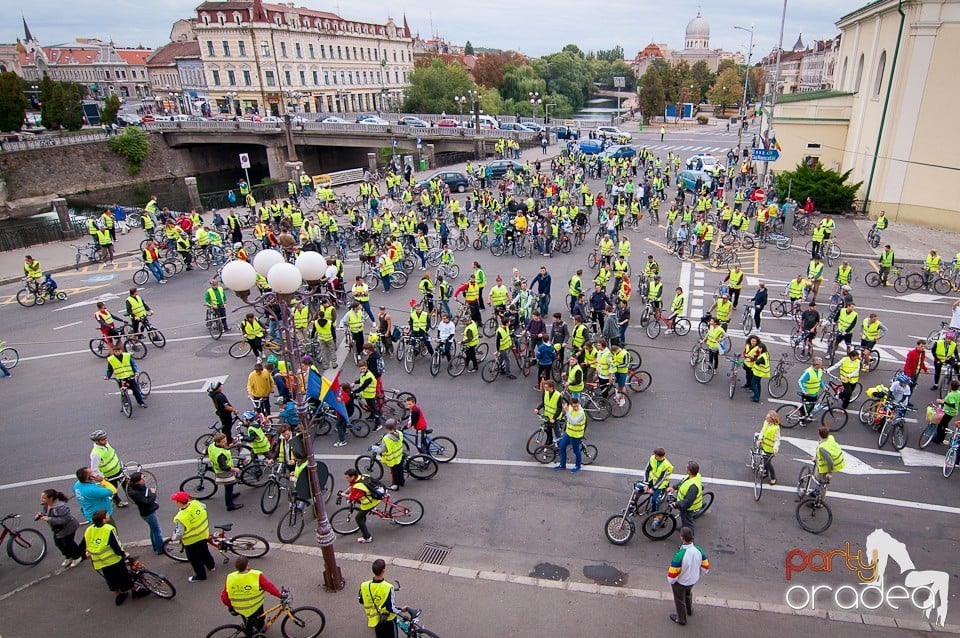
(692, 148)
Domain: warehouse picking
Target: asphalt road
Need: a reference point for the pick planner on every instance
(498, 509)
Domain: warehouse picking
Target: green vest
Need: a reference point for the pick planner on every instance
(660, 472)
(814, 382)
(220, 459)
(260, 443)
(355, 321)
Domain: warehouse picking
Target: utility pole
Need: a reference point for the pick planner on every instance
(770, 132)
(743, 104)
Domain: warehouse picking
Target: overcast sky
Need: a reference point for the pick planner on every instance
(534, 27)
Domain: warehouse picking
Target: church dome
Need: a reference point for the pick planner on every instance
(698, 28)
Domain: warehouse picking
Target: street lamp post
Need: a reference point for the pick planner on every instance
(746, 81)
(534, 101)
(460, 99)
(475, 96)
(770, 133)
(285, 281)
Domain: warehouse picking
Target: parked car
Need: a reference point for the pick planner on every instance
(616, 152)
(416, 122)
(591, 147)
(688, 179)
(448, 122)
(613, 132)
(512, 126)
(498, 168)
(373, 120)
(456, 181)
(333, 119)
(489, 122)
(706, 161)
(566, 133)
(533, 126)
(146, 119)
(128, 119)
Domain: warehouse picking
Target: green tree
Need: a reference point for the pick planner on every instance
(108, 115)
(726, 90)
(828, 189)
(134, 145)
(52, 104)
(468, 48)
(13, 102)
(567, 73)
(611, 55)
(702, 78)
(490, 102)
(73, 106)
(520, 81)
(653, 98)
(433, 87)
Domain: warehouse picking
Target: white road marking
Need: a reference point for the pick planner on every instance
(919, 297)
(75, 323)
(853, 464)
(919, 458)
(685, 270)
(69, 352)
(107, 296)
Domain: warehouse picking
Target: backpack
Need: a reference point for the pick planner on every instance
(377, 489)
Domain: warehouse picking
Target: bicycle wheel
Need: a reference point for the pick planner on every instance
(949, 462)
(941, 286)
(359, 428)
(778, 308)
(9, 357)
(99, 348)
(588, 453)
(619, 529)
(409, 359)
(399, 279)
(682, 327)
(270, 497)
(203, 442)
(814, 517)
(422, 467)
(490, 371)
(136, 348)
(141, 277)
(653, 329)
(174, 549)
(696, 354)
(291, 525)
(620, 405)
(874, 361)
(482, 351)
(914, 281)
(343, 521)
(214, 327)
(227, 631)
(435, 362)
(199, 487)
(27, 299)
(757, 477)
(369, 465)
(240, 349)
(704, 372)
(777, 386)
(156, 337)
(126, 406)
(597, 408)
(143, 381)
(639, 381)
(658, 526)
(545, 454)
(872, 279)
(536, 440)
(171, 267)
(707, 502)
(900, 284)
(156, 584)
(635, 359)
(406, 511)
(789, 415)
(899, 437)
(928, 434)
(303, 622)
(443, 449)
(885, 430)
(254, 474)
(26, 546)
(249, 545)
(803, 480)
(834, 418)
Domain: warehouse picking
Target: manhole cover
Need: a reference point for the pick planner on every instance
(432, 553)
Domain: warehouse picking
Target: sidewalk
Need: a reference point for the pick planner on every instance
(456, 602)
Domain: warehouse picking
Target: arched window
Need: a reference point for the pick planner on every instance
(858, 76)
(843, 75)
(878, 81)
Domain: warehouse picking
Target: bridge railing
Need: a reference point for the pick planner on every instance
(44, 141)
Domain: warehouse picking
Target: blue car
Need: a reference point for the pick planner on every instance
(688, 179)
(591, 147)
(566, 133)
(616, 152)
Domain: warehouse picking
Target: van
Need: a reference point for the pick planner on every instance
(488, 121)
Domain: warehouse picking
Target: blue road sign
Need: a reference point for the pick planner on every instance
(764, 155)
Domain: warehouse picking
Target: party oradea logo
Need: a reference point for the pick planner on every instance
(925, 591)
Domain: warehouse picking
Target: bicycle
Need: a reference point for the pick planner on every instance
(934, 414)
(831, 417)
(202, 486)
(458, 363)
(758, 465)
(703, 371)
(249, 545)
(441, 449)
(126, 405)
(746, 322)
(153, 334)
(495, 367)
(9, 357)
(620, 528)
(950, 459)
(736, 362)
(778, 384)
(291, 525)
(305, 622)
(214, 323)
(406, 621)
(25, 546)
(35, 293)
(91, 252)
(143, 578)
(404, 512)
(242, 348)
(892, 427)
(420, 466)
(873, 236)
(548, 453)
(661, 524)
(100, 347)
(681, 325)
(130, 467)
(813, 513)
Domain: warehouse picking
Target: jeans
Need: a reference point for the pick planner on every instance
(156, 534)
(755, 386)
(157, 271)
(503, 358)
(386, 282)
(366, 308)
(68, 547)
(134, 388)
(544, 302)
(566, 440)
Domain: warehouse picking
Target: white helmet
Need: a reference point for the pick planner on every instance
(238, 245)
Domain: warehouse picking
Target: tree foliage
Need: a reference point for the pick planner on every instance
(468, 48)
(727, 90)
(134, 145)
(13, 102)
(73, 108)
(61, 105)
(489, 70)
(828, 189)
(111, 106)
(702, 78)
(610, 55)
(653, 96)
(432, 88)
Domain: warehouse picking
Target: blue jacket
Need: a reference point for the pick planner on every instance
(93, 497)
(546, 354)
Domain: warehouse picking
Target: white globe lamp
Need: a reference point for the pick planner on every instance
(265, 260)
(238, 276)
(284, 279)
(311, 265)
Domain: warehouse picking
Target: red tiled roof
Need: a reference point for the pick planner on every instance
(168, 53)
(135, 57)
(71, 55)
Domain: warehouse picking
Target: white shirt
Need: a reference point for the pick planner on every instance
(446, 330)
(955, 319)
(330, 273)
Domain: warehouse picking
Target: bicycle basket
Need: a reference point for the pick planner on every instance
(934, 413)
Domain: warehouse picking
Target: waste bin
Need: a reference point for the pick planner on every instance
(423, 165)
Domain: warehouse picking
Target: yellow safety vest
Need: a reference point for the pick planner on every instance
(393, 449)
(109, 465)
(677, 305)
(846, 319)
(137, 307)
(660, 472)
(121, 367)
(575, 369)
(244, 591)
(843, 274)
(814, 382)
(369, 392)
(504, 340)
(684, 487)
(193, 519)
(499, 295)
(301, 317)
(368, 501)
(471, 336)
(933, 263)
(355, 321)
(761, 366)
(831, 447)
(361, 292)
(374, 596)
(769, 434)
(736, 279)
(724, 308)
(796, 289)
(849, 370)
(714, 337)
(551, 404)
(942, 352)
(871, 329)
(252, 329)
(98, 544)
(417, 318)
(576, 423)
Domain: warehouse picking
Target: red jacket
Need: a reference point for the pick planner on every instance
(916, 362)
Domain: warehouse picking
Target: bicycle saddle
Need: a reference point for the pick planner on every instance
(414, 613)
(428, 431)
(225, 527)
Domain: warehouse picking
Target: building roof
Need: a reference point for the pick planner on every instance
(265, 12)
(863, 9)
(651, 50)
(698, 28)
(168, 53)
(810, 95)
(799, 46)
(71, 55)
(135, 57)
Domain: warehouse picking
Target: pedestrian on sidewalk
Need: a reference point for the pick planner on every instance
(376, 596)
(686, 568)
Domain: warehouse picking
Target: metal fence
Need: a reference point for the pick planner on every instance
(46, 141)
(31, 234)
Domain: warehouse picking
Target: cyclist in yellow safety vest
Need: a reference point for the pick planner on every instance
(724, 308)
(931, 268)
(657, 475)
(391, 454)
(846, 322)
(811, 383)
(576, 420)
(504, 342)
(101, 544)
(815, 275)
(121, 367)
(137, 310)
(689, 494)
(714, 337)
(770, 444)
(849, 372)
(244, 593)
(829, 456)
(363, 498)
(192, 528)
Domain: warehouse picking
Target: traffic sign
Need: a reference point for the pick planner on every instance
(758, 195)
(765, 155)
(244, 160)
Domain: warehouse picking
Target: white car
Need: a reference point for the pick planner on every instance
(373, 120)
(271, 119)
(613, 132)
(708, 160)
(333, 119)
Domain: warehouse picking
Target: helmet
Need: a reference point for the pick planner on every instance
(845, 287)
(213, 386)
(238, 245)
(249, 415)
(96, 435)
(273, 359)
(657, 277)
(902, 377)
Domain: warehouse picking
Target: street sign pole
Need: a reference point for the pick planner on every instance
(245, 165)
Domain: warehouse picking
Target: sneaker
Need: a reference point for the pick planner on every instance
(935, 386)
(76, 561)
(122, 596)
(365, 540)
(163, 281)
(511, 376)
(574, 470)
(668, 331)
(122, 504)
(238, 506)
(194, 579)
(65, 562)
(393, 488)
(339, 444)
(559, 467)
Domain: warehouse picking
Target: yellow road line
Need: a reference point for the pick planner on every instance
(12, 299)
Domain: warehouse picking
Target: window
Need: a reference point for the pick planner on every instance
(354, 53)
(271, 81)
(210, 52)
(343, 78)
(216, 78)
(878, 81)
(303, 78)
(843, 75)
(335, 77)
(246, 78)
(236, 18)
(859, 76)
(242, 46)
(286, 78)
(350, 77)
(323, 52)
(231, 78)
(226, 49)
(339, 52)
(265, 49)
(283, 49)
(394, 55)
(346, 50)
(310, 50)
(316, 79)
(296, 49)
(326, 77)
(376, 54)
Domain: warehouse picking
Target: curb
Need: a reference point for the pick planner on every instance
(59, 269)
